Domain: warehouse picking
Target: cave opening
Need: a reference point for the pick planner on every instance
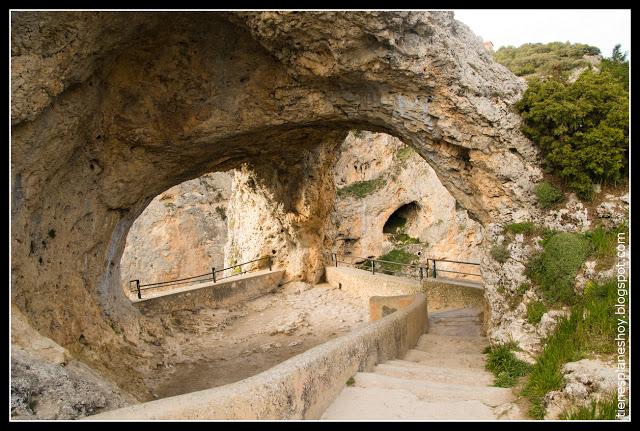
(401, 218)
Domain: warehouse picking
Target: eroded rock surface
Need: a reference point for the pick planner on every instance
(110, 109)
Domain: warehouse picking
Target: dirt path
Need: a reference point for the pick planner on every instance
(211, 348)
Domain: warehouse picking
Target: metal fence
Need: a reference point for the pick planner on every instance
(214, 276)
(418, 271)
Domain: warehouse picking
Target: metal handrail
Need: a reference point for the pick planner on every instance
(210, 276)
(431, 272)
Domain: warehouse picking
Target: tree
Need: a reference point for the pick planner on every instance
(582, 127)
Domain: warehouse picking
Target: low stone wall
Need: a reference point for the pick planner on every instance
(448, 294)
(224, 293)
(442, 293)
(301, 387)
(364, 283)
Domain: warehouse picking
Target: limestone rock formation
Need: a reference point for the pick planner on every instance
(396, 176)
(110, 109)
(180, 234)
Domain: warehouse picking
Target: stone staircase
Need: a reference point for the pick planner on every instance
(442, 378)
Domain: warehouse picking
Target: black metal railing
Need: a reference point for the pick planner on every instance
(411, 270)
(214, 276)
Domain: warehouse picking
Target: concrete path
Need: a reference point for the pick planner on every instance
(442, 378)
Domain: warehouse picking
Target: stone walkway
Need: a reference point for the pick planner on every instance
(442, 378)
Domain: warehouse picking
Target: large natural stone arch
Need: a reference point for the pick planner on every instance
(111, 109)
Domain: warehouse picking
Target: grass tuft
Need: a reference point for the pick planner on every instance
(548, 195)
(504, 365)
(500, 253)
(535, 311)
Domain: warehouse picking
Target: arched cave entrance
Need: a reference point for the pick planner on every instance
(145, 101)
(401, 218)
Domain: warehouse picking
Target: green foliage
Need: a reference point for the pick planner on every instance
(535, 310)
(581, 127)
(526, 228)
(555, 269)
(500, 253)
(351, 381)
(404, 239)
(605, 409)
(549, 59)
(590, 329)
(548, 195)
(395, 255)
(504, 365)
(361, 189)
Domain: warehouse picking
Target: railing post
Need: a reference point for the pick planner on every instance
(420, 273)
(213, 274)
(434, 268)
(334, 256)
(373, 267)
(269, 258)
(138, 289)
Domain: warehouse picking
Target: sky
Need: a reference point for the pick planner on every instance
(601, 28)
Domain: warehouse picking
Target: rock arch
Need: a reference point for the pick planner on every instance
(109, 109)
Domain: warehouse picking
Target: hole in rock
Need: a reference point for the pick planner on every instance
(401, 218)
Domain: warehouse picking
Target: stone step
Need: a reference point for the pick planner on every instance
(456, 330)
(355, 403)
(447, 360)
(415, 370)
(431, 391)
(451, 344)
(458, 313)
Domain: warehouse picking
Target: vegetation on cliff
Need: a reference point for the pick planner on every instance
(546, 59)
(582, 127)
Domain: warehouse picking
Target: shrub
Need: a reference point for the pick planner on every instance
(547, 194)
(500, 253)
(504, 365)
(396, 255)
(582, 127)
(361, 189)
(555, 269)
(526, 228)
(404, 153)
(535, 310)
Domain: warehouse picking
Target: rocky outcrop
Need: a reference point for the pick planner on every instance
(111, 109)
(400, 177)
(180, 234)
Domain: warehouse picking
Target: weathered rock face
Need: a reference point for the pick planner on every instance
(180, 234)
(357, 224)
(110, 109)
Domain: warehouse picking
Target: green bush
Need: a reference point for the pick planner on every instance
(500, 253)
(548, 195)
(361, 189)
(590, 329)
(504, 365)
(396, 255)
(535, 310)
(555, 269)
(581, 127)
(526, 228)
